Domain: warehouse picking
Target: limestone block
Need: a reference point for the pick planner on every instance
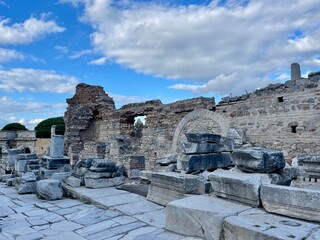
(103, 182)
(27, 156)
(109, 165)
(11, 181)
(238, 186)
(203, 137)
(61, 176)
(146, 175)
(225, 145)
(291, 201)
(91, 174)
(259, 160)
(310, 163)
(21, 165)
(54, 163)
(257, 224)
(191, 163)
(294, 172)
(28, 177)
(49, 189)
(168, 186)
(200, 216)
(73, 181)
(167, 159)
(27, 187)
(300, 183)
(46, 173)
(57, 146)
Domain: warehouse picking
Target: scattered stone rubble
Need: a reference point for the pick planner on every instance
(215, 185)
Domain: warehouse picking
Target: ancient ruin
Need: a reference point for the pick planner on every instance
(245, 168)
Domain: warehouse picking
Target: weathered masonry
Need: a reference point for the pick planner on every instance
(18, 139)
(280, 116)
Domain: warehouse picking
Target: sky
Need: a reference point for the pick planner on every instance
(140, 50)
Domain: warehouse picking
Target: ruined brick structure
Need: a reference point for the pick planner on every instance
(280, 116)
(18, 139)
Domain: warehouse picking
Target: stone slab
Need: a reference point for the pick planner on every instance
(257, 224)
(54, 163)
(238, 186)
(91, 174)
(46, 173)
(291, 201)
(103, 182)
(61, 176)
(73, 181)
(163, 196)
(203, 137)
(260, 160)
(178, 182)
(200, 216)
(28, 187)
(190, 163)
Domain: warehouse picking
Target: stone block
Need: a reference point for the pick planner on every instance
(73, 181)
(257, 224)
(310, 163)
(33, 167)
(49, 189)
(300, 183)
(28, 177)
(27, 187)
(104, 163)
(167, 159)
(294, 172)
(57, 146)
(103, 182)
(4, 177)
(91, 174)
(11, 182)
(146, 175)
(238, 186)
(203, 137)
(205, 147)
(54, 163)
(134, 173)
(291, 201)
(260, 160)
(27, 156)
(166, 187)
(190, 163)
(61, 176)
(21, 165)
(200, 216)
(46, 173)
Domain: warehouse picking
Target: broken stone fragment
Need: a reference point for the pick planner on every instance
(49, 189)
(108, 165)
(260, 160)
(224, 145)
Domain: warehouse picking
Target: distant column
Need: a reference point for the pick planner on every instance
(295, 71)
(53, 130)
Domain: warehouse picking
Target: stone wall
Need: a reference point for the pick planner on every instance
(18, 139)
(280, 116)
(92, 121)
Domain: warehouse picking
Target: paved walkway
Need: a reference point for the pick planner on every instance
(116, 215)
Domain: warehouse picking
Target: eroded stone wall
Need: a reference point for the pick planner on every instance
(281, 116)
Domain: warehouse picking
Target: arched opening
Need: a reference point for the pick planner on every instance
(27, 150)
(139, 124)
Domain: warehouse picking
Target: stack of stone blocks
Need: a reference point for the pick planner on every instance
(201, 152)
(205, 151)
(245, 199)
(55, 159)
(96, 173)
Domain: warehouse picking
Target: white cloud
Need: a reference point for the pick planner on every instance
(8, 55)
(79, 54)
(26, 79)
(61, 49)
(30, 30)
(99, 61)
(11, 109)
(206, 43)
(121, 100)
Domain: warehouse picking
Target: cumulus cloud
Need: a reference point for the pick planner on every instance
(27, 79)
(8, 55)
(123, 100)
(30, 30)
(206, 43)
(11, 109)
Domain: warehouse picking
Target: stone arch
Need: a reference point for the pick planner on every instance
(202, 119)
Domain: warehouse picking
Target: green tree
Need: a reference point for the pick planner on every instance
(43, 129)
(138, 125)
(14, 127)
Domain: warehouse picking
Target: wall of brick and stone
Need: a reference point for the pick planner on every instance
(280, 116)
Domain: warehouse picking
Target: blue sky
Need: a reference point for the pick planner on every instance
(141, 50)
